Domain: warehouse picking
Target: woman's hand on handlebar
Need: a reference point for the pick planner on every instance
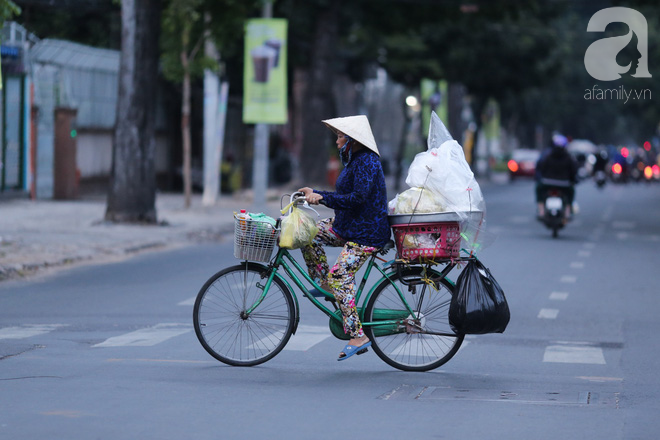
(310, 196)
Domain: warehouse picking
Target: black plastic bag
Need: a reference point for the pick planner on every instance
(479, 305)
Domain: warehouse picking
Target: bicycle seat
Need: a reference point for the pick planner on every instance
(388, 247)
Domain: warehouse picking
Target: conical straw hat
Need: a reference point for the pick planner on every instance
(356, 127)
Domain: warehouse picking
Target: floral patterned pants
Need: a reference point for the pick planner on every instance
(341, 277)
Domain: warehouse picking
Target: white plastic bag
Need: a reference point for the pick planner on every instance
(415, 200)
(444, 171)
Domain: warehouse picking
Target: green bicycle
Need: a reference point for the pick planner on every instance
(244, 315)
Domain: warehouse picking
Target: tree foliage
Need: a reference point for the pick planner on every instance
(496, 49)
(562, 102)
(8, 9)
(186, 25)
(96, 23)
(183, 24)
(527, 55)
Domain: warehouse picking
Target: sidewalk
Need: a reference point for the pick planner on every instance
(43, 235)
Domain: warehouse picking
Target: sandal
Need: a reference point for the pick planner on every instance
(350, 350)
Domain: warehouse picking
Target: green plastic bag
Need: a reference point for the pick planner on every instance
(266, 224)
(298, 229)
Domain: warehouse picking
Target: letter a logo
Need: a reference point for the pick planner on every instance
(600, 57)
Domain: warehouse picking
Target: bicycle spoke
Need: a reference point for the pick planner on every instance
(423, 340)
(230, 335)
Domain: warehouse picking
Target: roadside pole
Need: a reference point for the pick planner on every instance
(261, 138)
(211, 159)
(264, 90)
(215, 110)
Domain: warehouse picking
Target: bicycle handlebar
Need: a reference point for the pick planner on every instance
(299, 197)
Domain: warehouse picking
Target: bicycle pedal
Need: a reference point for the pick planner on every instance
(363, 351)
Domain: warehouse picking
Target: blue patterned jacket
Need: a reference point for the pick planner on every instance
(360, 201)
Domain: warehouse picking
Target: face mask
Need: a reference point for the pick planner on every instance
(343, 154)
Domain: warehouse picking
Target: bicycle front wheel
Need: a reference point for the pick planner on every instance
(223, 326)
(417, 341)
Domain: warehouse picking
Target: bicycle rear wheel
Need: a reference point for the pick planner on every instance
(225, 330)
(420, 341)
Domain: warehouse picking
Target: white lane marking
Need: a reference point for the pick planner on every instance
(191, 301)
(601, 379)
(577, 265)
(589, 245)
(548, 314)
(622, 236)
(147, 336)
(267, 341)
(655, 237)
(584, 253)
(558, 296)
(28, 330)
(623, 225)
(568, 279)
(573, 343)
(188, 302)
(306, 337)
(574, 354)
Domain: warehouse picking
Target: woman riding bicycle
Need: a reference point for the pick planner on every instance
(360, 224)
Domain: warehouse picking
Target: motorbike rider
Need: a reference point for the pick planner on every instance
(600, 159)
(556, 168)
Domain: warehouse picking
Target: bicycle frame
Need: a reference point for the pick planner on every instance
(284, 260)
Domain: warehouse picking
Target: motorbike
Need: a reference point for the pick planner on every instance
(557, 209)
(599, 161)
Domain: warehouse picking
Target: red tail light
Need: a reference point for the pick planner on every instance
(513, 165)
(617, 168)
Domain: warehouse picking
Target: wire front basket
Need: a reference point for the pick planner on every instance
(254, 240)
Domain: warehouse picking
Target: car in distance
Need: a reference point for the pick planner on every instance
(523, 163)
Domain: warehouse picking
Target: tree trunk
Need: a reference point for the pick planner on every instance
(185, 129)
(319, 105)
(132, 192)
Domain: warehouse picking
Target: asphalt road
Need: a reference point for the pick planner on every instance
(108, 351)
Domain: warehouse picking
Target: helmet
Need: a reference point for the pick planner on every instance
(559, 140)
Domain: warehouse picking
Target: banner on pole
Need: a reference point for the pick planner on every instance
(265, 72)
